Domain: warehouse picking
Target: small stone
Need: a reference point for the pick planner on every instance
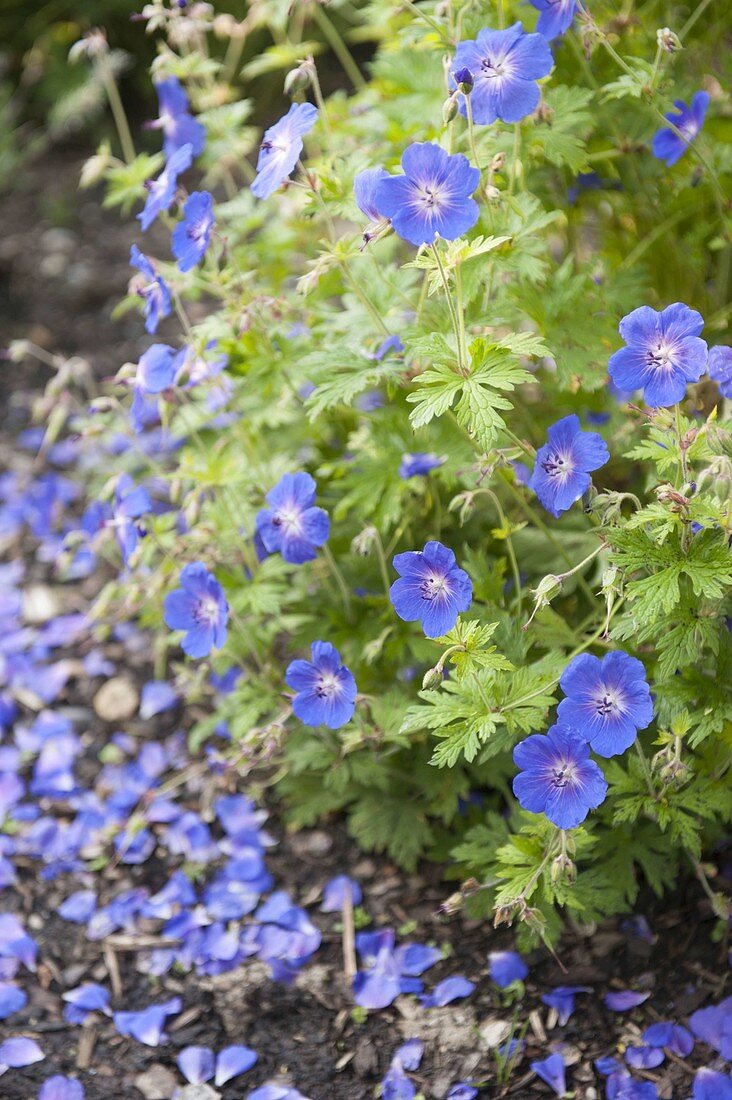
(198, 1092)
(493, 1032)
(156, 1083)
(39, 604)
(116, 700)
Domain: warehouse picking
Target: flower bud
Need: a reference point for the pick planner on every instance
(432, 678)
(450, 108)
(464, 80)
(297, 79)
(547, 588)
(492, 193)
(563, 871)
(668, 40)
(496, 165)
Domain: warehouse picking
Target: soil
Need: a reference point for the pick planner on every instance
(63, 267)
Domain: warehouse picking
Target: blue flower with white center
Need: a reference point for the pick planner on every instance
(432, 198)
(670, 146)
(557, 777)
(326, 689)
(505, 66)
(663, 353)
(608, 700)
(555, 16)
(720, 368)
(281, 147)
(154, 292)
(418, 465)
(199, 608)
(563, 465)
(157, 368)
(292, 524)
(431, 589)
(175, 120)
(364, 190)
(191, 236)
(161, 192)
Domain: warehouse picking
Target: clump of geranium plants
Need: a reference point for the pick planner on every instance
(436, 477)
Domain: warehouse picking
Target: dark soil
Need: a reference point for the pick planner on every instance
(63, 267)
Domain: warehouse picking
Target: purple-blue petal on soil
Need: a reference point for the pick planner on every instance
(551, 1070)
(506, 967)
(624, 999)
(447, 991)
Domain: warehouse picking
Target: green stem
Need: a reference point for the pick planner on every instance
(471, 131)
(450, 306)
(318, 93)
(338, 577)
(118, 111)
(701, 8)
(646, 770)
(440, 31)
(382, 563)
(339, 47)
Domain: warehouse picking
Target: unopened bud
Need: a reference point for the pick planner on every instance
(450, 108)
(297, 79)
(549, 587)
(563, 871)
(492, 193)
(464, 80)
(432, 678)
(496, 165)
(668, 40)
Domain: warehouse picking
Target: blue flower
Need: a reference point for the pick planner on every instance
(432, 198)
(161, 192)
(191, 236)
(670, 1035)
(710, 1084)
(157, 368)
(364, 190)
(720, 368)
(664, 352)
(130, 503)
(557, 777)
(431, 588)
(563, 465)
(281, 148)
(326, 689)
(292, 524)
(607, 702)
(154, 293)
(551, 1070)
(61, 1088)
(506, 967)
(175, 120)
(199, 608)
(670, 146)
(555, 16)
(418, 465)
(505, 66)
(562, 999)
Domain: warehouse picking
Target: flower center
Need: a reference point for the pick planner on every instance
(289, 518)
(607, 703)
(493, 68)
(327, 686)
(208, 610)
(433, 587)
(558, 465)
(563, 774)
(429, 196)
(661, 357)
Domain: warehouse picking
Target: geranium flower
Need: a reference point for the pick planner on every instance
(608, 700)
(154, 293)
(161, 192)
(562, 999)
(557, 777)
(147, 1026)
(61, 1088)
(281, 148)
(563, 465)
(157, 368)
(663, 353)
(291, 524)
(199, 608)
(505, 66)
(418, 465)
(389, 971)
(432, 198)
(364, 190)
(431, 588)
(555, 16)
(506, 967)
(720, 368)
(551, 1070)
(689, 119)
(131, 502)
(175, 120)
(192, 235)
(326, 689)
